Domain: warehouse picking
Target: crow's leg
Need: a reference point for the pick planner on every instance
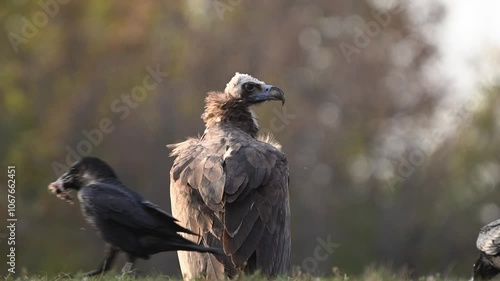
(109, 256)
(127, 268)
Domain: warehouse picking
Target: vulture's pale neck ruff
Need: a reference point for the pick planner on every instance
(232, 107)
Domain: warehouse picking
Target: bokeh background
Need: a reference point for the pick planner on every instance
(391, 125)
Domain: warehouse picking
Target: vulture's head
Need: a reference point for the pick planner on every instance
(233, 105)
(81, 173)
(246, 90)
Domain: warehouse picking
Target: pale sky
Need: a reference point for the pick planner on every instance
(468, 40)
(468, 58)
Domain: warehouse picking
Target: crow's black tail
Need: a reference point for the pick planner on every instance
(182, 244)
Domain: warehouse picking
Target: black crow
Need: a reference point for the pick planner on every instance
(231, 186)
(487, 265)
(125, 220)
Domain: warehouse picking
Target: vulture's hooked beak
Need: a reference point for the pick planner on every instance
(269, 92)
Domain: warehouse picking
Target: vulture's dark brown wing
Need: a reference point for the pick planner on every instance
(235, 189)
(488, 240)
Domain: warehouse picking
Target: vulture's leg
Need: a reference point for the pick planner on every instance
(127, 268)
(109, 256)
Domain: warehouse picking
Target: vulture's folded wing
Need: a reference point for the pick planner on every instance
(488, 240)
(256, 194)
(249, 179)
(193, 207)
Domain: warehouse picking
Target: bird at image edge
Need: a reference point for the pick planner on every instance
(230, 186)
(487, 264)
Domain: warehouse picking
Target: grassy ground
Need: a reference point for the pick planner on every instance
(370, 274)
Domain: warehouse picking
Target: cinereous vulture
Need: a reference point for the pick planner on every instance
(230, 186)
(126, 221)
(487, 265)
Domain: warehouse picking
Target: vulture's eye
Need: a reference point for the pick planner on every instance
(249, 87)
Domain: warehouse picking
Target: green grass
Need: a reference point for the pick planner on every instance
(370, 274)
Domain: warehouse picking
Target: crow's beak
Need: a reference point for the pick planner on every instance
(269, 92)
(56, 187)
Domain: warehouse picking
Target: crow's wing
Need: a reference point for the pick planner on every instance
(488, 240)
(164, 217)
(109, 202)
(235, 189)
